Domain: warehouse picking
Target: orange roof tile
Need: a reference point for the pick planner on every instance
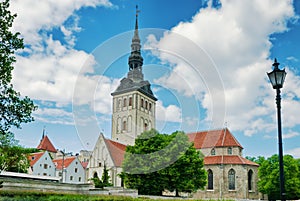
(34, 157)
(46, 144)
(66, 161)
(116, 150)
(227, 159)
(213, 138)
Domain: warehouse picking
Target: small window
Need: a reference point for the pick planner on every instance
(76, 163)
(142, 103)
(45, 166)
(210, 179)
(130, 101)
(44, 174)
(146, 105)
(145, 126)
(124, 102)
(60, 174)
(229, 150)
(32, 158)
(76, 170)
(46, 158)
(213, 152)
(71, 178)
(150, 106)
(250, 174)
(79, 179)
(231, 179)
(124, 126)
(100, 164)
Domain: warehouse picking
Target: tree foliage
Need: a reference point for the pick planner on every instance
(269, 180)
(14, 109)
(176, 164)
(104, 181)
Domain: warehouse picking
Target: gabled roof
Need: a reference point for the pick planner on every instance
(34, 157)
(46, 144)
(227, 159)
(66, 162)
(116, 150)
(213, 138)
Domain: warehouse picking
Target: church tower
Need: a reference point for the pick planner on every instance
(133, 100)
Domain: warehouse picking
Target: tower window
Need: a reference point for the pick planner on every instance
(229, 150)
(250, 173)
(124, 102)
(146, 105)
(124, 126)
(150, 106)
(130, 101)
(142, 103)
(213, 152)
(210, 179)
(231, 179)
(145, 126)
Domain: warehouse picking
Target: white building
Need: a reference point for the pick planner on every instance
(41, 164)
(70, 170)
(110, 154)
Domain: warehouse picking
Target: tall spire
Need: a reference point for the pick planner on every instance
(135, 60)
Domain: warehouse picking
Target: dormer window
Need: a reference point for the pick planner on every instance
(229, 150)
(213, 152)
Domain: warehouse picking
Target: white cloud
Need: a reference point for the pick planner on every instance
(171, 113)
(294, 152)
(34, 16)
(290, 135)
(236, 37)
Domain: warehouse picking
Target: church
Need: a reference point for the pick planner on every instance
(133, 112)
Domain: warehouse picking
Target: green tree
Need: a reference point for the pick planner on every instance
(105, 177)
(14, 109)
(269, 182)
(171, 163)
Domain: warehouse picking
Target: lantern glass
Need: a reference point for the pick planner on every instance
(277, 78)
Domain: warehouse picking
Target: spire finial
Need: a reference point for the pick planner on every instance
(136, 16)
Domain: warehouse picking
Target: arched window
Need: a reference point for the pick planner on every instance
(150, 107)
(250, 175)
(231, 179)
(210, 179)
(130, 101)
(129, 123)
(146, 105)
(124, 125)
(229, 150)
(95, 175)
(213, 152)
(125, 102)
(119, 125)
(142, 103)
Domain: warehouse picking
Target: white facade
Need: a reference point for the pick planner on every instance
(103, 153)
(133, 113)
(72, 172)
(43, 166)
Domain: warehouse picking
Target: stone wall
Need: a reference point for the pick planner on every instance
(25, 184)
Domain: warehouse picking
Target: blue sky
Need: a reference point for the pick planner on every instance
(206, 60)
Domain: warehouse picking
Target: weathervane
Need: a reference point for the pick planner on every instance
(137, 10)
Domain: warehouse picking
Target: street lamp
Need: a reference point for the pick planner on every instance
(277, 77)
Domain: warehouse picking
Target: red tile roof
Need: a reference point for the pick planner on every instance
(66, 161)
(34, 157)
(227, 159)
(46, 144)
(116, 150)
(213, 138)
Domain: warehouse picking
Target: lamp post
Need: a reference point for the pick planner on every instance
(277, 78)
